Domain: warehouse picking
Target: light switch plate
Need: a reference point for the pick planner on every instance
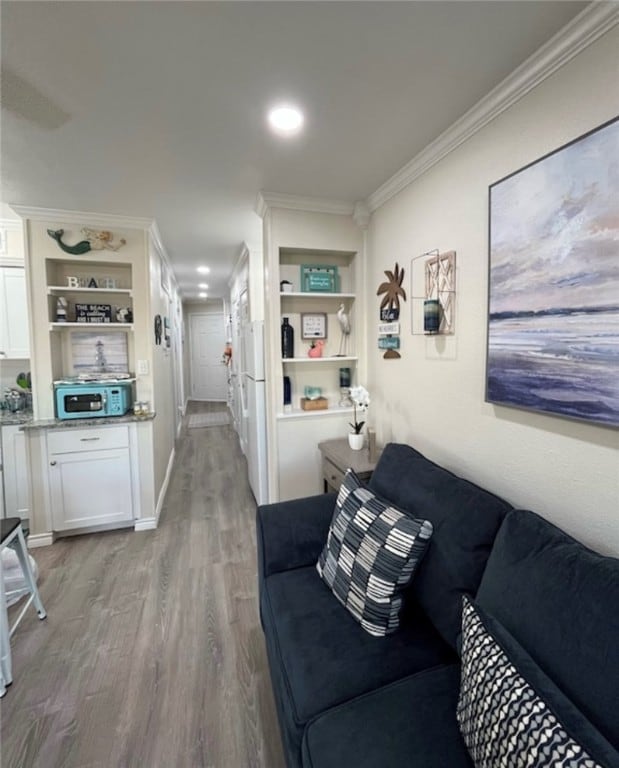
(142, 367)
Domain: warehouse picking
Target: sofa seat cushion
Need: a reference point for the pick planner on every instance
(371, 553)
(320, 656)
(411, 722)
(559, 600)
(465, 519)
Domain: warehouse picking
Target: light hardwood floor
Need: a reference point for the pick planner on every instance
(152, 654)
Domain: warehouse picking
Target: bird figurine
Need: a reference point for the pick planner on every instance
(344, 321)
(315, 349)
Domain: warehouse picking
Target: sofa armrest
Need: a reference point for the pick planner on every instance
(291, 534)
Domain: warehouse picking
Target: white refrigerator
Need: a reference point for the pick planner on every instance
(253, 397)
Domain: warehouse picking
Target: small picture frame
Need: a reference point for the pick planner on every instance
(314, 325)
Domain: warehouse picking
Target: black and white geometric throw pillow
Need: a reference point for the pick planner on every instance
(503, 721)
(371, 553)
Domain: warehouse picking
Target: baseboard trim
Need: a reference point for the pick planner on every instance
(40, 540)
(164, 485)
(146, 524)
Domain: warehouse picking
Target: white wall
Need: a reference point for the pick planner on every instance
(163, 390)
(433, 398)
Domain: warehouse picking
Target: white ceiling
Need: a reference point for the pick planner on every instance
(157, 109)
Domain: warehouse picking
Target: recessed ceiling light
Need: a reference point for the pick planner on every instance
(204, 270)
(202, 295)
(286, 119)
(202, 285)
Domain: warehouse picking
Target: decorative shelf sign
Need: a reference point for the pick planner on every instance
(319, 278)
(93, 313)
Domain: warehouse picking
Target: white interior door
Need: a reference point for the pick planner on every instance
(208, 373)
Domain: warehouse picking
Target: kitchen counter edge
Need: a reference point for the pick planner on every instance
(77, 423)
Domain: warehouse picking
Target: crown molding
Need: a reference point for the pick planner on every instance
(266, 200)
(82, 217)
(584, 29)
(15, 224)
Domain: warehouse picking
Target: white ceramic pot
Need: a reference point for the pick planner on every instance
(356, 441)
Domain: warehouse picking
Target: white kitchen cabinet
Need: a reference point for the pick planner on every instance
(90, 476)
(14, 323)
(16, 472)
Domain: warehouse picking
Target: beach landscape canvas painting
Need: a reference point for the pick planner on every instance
(553, 330)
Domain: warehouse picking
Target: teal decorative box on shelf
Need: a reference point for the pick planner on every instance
(319, 278)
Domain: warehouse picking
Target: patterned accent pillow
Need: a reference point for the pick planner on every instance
(371, 553)
(504, 721)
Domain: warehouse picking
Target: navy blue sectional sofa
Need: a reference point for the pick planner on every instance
(346, 699)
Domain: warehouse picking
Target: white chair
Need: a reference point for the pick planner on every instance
(12, 535)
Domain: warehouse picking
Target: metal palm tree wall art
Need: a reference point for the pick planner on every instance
(389, 330)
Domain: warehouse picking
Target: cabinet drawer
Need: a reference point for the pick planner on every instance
(332, 474)
(91, 439)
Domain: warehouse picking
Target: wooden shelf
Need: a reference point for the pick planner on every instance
(298, 413)
(318, 360)
(54, 289)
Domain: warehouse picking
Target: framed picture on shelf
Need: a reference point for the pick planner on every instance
(314, 325)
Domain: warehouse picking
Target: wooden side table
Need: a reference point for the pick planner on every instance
(337, 457)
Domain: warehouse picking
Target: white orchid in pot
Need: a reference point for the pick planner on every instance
(360, 399)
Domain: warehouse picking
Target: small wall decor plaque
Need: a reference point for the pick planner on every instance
(314, 325)
(93, 313)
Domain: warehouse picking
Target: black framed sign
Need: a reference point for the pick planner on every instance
(314, 325)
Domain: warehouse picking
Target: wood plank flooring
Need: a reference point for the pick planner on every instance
(152, 655)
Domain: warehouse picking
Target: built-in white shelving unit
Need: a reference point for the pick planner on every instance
(295, 238)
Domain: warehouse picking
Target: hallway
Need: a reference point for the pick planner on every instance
(152, 655)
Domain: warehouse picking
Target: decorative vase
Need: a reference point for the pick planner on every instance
(355, 441)
(287, 339)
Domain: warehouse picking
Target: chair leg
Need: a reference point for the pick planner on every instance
(24, 561)
(6, 675)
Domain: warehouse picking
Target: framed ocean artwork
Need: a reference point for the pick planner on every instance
(553, 316)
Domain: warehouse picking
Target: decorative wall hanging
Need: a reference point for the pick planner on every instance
(389, 311)
(96, 240)
(158, 329)
(433, 293)
(88, 349)
(553, 329)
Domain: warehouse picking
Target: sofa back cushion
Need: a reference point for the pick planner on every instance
(560, 602)
(465, 519)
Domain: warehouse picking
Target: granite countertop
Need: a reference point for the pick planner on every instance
(9, 418)
(97, 421)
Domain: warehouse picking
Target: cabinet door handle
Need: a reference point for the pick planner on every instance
(88, 439)
(52, 463)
